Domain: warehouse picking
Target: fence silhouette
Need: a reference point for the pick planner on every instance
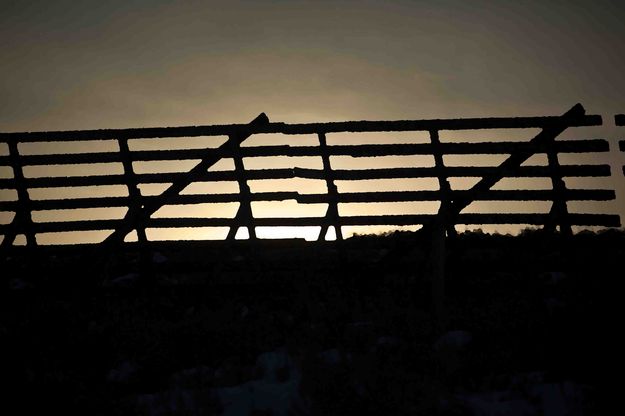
(452, 202)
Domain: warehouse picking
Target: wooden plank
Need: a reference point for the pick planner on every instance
(437, 254)
(134, 202)
(67, 226)
(363, 150)
(115, 179)
(427, 125)
(301, 128)
(122, 201)
(112, 157)
(461, 148)
(560, 146)
(341, 174)
(69, 158)
(446, 198)
(559, 210)
(66, 181)
(132, 133)
(22, 221)
(244, 213)
(493, 195)
(466, 171)
(332, 213)
(389, 173)
(349, 197)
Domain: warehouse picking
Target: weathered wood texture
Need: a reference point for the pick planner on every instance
(142, 207)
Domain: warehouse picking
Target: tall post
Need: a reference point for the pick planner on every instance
(244, 214)
(135, 204)
(332, 214)
(559, 212)
(131, 183)
(22, 222)
(443, 182)
(438, 252)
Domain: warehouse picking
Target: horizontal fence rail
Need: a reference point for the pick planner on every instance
(141, 208)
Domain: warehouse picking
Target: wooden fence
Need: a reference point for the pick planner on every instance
(452, 202)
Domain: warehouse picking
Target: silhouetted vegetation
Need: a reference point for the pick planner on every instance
(84, 332)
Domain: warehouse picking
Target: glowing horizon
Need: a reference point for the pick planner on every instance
(118, 64)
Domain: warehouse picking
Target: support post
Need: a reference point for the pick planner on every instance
(22, 222)
(443, 182)
(438, 252)
(244, 212)
(332, 214)
(135, 204)
(131, 183)
(559, 213)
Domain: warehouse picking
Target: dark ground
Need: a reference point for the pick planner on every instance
(81, 332)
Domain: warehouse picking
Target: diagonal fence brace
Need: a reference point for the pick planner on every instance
(141, 214)
(447, 217)
(540, 142)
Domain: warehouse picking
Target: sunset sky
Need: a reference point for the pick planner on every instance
(69, 65)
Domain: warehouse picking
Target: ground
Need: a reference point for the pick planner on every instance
(295, 328)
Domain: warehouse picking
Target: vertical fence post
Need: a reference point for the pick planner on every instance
(332, 214)
(559, 213)
(244, 214)
(131, 183)
(135, 204)
(23, 220)
(443, 182)
(438, 252)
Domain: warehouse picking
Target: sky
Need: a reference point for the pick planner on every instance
(91, 64)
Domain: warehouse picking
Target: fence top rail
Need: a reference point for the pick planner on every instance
(357, 150)
(300, 128)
